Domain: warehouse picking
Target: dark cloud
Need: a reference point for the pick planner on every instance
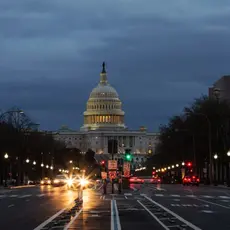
(160, 55)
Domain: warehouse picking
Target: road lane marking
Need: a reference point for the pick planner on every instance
(209, 202)
(174, 214)
(42, 225)
(176, 199)
(13, 196)
(224, 197)
(207, 196)
(192, 196)
(27, 200)
(10, 206)
(128, 194)
(24, 196)
(126, 197)
(159, 194)
(175, 195)
(207, 211)
(40, 195)
(115, 220)
(133, 188)
(142, 194)
(161, 223)
(73, 219)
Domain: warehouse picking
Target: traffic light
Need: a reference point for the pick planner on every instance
(128, 155)
(189, 164)
(102, 163)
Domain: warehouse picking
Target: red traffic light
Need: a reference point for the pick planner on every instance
(153, 172)
(189, 164)
(102, 162)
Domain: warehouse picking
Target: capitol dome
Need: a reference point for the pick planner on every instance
(104, 108)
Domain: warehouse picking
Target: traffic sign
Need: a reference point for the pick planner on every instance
(112, 164)
(112, 174)
(126, 166)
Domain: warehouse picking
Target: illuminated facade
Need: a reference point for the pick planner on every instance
(104, 120)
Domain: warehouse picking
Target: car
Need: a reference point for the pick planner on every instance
(156, 180)
(136, 180)
(59, 180)
(191, 180)
(46, 181)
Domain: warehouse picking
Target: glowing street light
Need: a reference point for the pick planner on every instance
(51, 167)
(183, 163)
(6, 156)
(228, 153)
(42, 165)
(70, 162)
(177, 165)
(27, 160)
(47, 166)
(34, 163)
(169, 167)
(215, 156)
(59, 170)
(173, 166)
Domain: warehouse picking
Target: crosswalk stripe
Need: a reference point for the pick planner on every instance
(40, 195)
(207, 196)
(128, 194)
(175, 195)
(13, 196)
(159, 195)
(24, 196)
(190, 195)
(224, 197)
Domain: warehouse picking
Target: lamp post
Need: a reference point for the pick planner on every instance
(6, 156)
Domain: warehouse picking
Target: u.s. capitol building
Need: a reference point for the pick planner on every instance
(104, 120)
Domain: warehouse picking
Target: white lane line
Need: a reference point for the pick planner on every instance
(174, 214)
(142, 194)
(10, 206)
(40, 195)
(126, 197)
(207, 196)
(161, 223)
(72, 220)
(42, 225)
(117, 216)
(27, 200)
(160, 189)
(25, 196)
(175, 195)
(2, 196)
(159, 195)
(13, 196)
(128, 194)
(192, 196)
(207, 211)
(112, 216)
(224, 197)
(209, 202)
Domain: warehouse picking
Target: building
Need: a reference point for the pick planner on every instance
(221, 89)
(104, 120)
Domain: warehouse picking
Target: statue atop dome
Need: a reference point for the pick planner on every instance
(103, 68)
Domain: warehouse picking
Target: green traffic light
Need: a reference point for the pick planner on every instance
(128, 157)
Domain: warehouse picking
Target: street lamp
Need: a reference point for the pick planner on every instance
(173, 166)
(215, 156)
(47, 166)
(27, 160)
(42, 165)
(177, 165)
(6, 156)
(182, 163)
(51, 167)
(34, 163)
(71, 162)
(228, 153)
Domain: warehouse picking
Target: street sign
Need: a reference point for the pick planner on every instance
(126, 166)
(112, 164)
(112, 175)
(103, 175)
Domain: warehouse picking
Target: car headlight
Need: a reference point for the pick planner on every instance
(56, 181)
(69, 182)
(42, 182)
(83, 182)
(49, 181)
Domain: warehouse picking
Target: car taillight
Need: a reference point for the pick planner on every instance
(198, 179)
(189, 179)
(159, 180)
(185, 179)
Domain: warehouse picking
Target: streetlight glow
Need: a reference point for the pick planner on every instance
(70, 162)
(51, 167)
(182, 163)
(173, 166)
(177, 165)
(42, 165)
(34, 163)
(47, 166)
(215, 156)
(6, 156)
(228, 153)
(27, 160)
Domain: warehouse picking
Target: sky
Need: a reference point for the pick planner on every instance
(160, 55)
